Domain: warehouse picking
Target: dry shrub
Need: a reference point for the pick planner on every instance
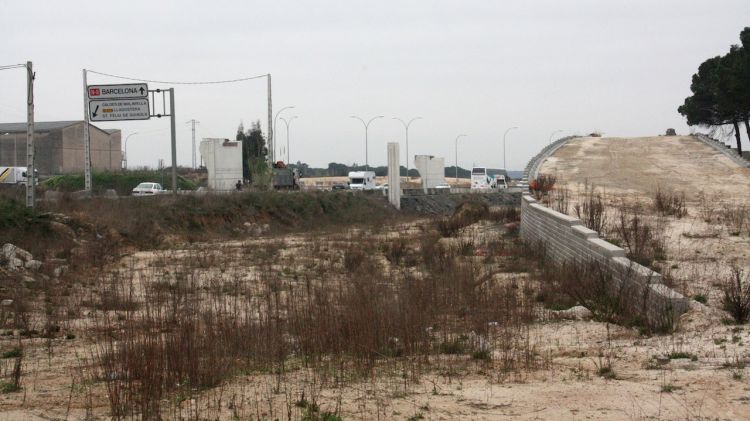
(346, 314)
(735, 217)
(505, 214)
(591, 209)
(542, 185)
(736, 295)
(610, 296)
(643, 241)
(395, 250)
(560, 200)
(466, 213)
(670, 203)
(707, 208)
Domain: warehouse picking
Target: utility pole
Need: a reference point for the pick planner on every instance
(194, 122)
(86, 139)
(30, 179)
(174, 141)
(271, 149)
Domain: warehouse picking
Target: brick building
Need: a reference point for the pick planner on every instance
(59, 147)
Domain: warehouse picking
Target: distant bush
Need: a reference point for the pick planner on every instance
(670, 203)
(122, 182)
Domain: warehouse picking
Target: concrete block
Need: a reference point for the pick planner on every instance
(605, 248)
(583, 232)
(557, 216)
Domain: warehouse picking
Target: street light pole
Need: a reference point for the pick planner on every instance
(367, 126)
(406, 126)
(458, 137)
(505, 134)
(126, 148)
(286, 123)
(553, 133)
(273, 147)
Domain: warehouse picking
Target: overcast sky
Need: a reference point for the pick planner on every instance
(467, 67)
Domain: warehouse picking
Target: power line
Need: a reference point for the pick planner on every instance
(12, 66)
(212, 82)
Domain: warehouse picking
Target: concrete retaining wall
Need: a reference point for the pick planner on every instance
(532, 168)
(722, 148)
(567, 240)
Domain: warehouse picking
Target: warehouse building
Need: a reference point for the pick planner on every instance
(59, 147)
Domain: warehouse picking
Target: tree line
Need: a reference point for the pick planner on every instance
(255, 165)
(721, 90)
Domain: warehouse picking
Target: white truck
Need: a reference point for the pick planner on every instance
(15, 175)
(483, 178)
(362, 180)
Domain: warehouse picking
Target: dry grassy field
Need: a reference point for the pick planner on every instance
(332, 306)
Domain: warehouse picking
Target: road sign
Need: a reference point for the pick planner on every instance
(127, 90)
(118, 109)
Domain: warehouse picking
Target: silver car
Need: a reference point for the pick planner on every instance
(148, 189)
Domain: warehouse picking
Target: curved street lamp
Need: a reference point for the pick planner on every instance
(505, 134)
(273, 133)
(367, 126)
(406, 126)
(126, 148)
(458, 137)
(286, 123)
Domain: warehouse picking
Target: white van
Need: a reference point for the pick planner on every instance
(362, 180)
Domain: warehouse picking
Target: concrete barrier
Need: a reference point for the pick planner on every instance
(568, 241)
(724, 149)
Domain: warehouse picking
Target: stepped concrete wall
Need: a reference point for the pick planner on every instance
(567, 240)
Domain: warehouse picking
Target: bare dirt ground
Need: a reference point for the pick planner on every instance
(548, 365)
(641, 165)
(697, 373)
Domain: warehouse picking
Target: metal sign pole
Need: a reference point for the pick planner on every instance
(174, 141)
(86, 139)
(30, 179)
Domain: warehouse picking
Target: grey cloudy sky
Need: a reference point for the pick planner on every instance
(467, 67)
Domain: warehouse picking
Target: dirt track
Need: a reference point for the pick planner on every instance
(641, 165)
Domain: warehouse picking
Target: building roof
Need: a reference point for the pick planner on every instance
(46, 126)
(39, 126)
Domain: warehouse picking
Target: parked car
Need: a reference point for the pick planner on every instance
(340, 187)
(148, 189)
(383, 186)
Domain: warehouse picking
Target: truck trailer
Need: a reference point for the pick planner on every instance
(15, 175)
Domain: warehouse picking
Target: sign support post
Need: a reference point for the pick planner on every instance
(86, 138)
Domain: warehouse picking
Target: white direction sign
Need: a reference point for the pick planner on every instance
(119, 109)
(127, 90)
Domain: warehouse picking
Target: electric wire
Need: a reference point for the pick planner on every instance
(12, 66)
(210, 82)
